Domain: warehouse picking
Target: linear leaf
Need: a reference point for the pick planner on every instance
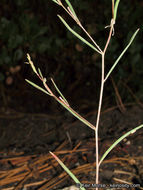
(116, 8)
(31, 64)
(67, 170)
(118, 141)
(74, 113)
(123, 52)
(40, 73)
(71, 8)
(77, 35)
(38, 87)
(55, 2)
(59, 91)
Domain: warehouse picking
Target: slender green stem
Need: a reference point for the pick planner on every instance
(98, 119)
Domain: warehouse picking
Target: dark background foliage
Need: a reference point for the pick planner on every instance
(33, 27)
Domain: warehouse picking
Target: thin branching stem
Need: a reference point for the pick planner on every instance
(110, 34)
(100, 51)
(102, 82)
(100, 100)
(79, 23)
(70, 13)
(64, 102)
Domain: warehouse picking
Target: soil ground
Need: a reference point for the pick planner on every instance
(26, 139)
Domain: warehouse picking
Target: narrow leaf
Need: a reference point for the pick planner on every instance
(38, 87)
(118, 141)
(55, 2)
(116, 9)
(40, 73)
(31, 64)
(67, 170)
(74, 113)
(71, 8)
(59, 91)
(77, 35)
(123, 52)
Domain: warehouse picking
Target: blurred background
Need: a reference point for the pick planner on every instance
(33, 27)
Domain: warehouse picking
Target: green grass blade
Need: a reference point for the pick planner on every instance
(31, 64)
(74, 113)
(55, 2)
(77, 35)
(71, 8)
(118, 141)
(59, 91)
(38, 87)
(116, 9)
(123, 52)
(40, 73)
(67, 170)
